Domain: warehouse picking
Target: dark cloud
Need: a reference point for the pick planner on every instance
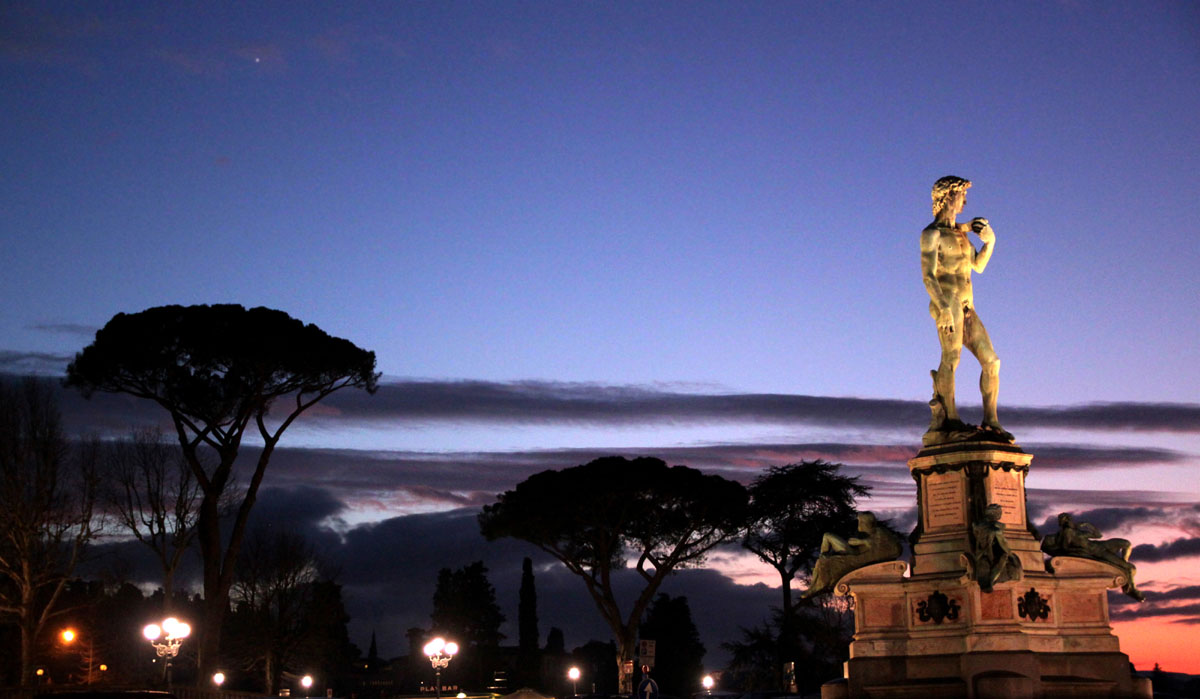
(472, 478)
(1155, 596)
(191, 61)
(1061, 457)
(1133, 613)
(304, 509)
(35, 35)
(497, 471)
(87, 332)
(540, 401)
(1116, 513)
(389, 570)
(1179, 548)
(1169, 417)
(532, 402)
(395, 564)
(1116, 518)
(122, 558)
(1179, 593)
(1159, 603)
(17, 363)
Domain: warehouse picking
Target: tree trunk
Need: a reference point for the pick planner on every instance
(209, 535)
(269, 673)
(28, 636)
(626, 645)
(786, 647)
(168, 593)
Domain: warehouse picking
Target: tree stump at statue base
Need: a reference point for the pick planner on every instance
(935, 632)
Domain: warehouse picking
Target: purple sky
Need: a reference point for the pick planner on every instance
(686, 229)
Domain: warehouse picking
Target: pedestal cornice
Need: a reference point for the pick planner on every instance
(950, 456)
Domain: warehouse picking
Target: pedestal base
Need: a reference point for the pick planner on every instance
(939, 635)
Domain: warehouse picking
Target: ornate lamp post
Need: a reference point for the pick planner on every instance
(439, 651)
(306, 682)
(573, 674)
(166, 638)
(708, 683)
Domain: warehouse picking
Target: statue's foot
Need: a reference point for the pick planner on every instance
(950, 430)
(1134, 593)
(993, 426)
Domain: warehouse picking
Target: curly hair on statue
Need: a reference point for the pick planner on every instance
(944, 188)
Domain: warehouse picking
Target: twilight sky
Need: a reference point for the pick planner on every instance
(681, 229)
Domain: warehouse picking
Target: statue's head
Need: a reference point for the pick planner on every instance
(945, 189)
(993, 512)
(1064, 521)
(866, 521)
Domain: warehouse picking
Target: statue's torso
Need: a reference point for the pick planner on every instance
(954, 256)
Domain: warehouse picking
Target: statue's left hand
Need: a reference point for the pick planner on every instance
(983, 229)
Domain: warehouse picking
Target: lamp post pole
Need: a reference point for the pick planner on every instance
(166, 638)
(439, 651)
(573, 673)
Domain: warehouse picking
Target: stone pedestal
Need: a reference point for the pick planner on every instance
(933, 632)
(955, 483)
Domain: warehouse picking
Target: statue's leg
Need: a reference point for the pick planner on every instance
(980, 344)
(1120, 548)
(1130, 587)
(952, 343)
(833, 543)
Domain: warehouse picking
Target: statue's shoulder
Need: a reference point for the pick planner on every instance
(932, 234)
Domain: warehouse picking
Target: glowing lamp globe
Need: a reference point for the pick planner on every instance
(435, 646)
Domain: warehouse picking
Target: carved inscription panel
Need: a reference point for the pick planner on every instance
(1082, 607)
(1006, 489)
(882, 611)
(945, 500)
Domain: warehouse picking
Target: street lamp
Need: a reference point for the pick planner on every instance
(306, 682)
(87, 656)
(708, 683)
(439, 651)
(165, 638)
(218, 679)
(573, 673)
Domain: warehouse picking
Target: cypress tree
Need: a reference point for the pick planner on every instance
(529, 661)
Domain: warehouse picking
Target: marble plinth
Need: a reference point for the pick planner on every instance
(931, 631)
